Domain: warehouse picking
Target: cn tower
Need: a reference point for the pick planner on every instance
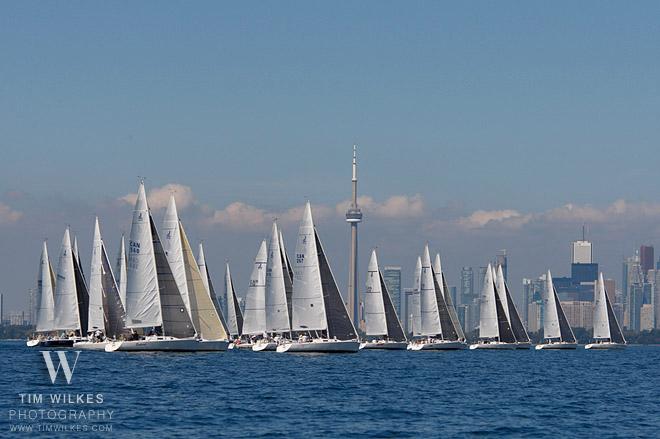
(353, 217)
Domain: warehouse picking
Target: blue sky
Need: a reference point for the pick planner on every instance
(518, 107)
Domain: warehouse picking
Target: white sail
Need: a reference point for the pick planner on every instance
(501, 291)
(551, 327)
(307, 297)
(374, 307)
(601, 321)
(66, 299)
(233, 316)
(75, 248)
(201, 263)
(45, 294)
(488, 327)
(173, 249)
(415, 312)
(121, 271)
(142, 296)
(277, 313)
(255, 300)
(437, 270)
(442, 282)
(95, 320)
(205, 317)
(283, 249)
(428, 301)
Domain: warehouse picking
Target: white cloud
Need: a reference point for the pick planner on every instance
(482, 218)
(160, 196)
(240, 215)
(8, 215)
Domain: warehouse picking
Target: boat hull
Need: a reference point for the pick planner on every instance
(270, 346)
(168, 344)
(560, 345)
(383, 344)
(321, 346)
(606, 345)
(91, 345)
(438, 346)
(241, 346)
(523, 345)
(52, 343)
(495, 346)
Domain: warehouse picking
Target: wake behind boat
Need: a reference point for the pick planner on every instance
(319, 313)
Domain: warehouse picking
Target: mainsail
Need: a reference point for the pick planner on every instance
(277, 312)
(309, 313)
(616, 335)
(374, 306)
(113, 308)
(121, 271)
(174, 250)
(288, 277)
(205, 316)
(234, 314)
(601, 322)
(66, 299)
(255, 300)
(451, 327)
(45, 294)
(488, 324)
(517, 327)
(208, 283)
(96, 319)
(143, 308)
(503, 325)
(415, 305)
(82, 294)
(555, 324)
(429, 301)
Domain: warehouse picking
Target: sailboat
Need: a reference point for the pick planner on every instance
(437, 328)
(607, 332)
(153, 301)
(121, 270)
(522, 339)
(254, 311)
(208, 283)
(494, 328)
(319, 313)
(106, 313)
(278, 323)
(414, 313)
(556, 329)
(234, 314)
(46, 306)
(382, 326)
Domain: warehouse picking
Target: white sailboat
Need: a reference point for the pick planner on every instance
(45, 327)
(121, 271)
(494, 328)
(106, 312)
(382, 326)
(254, 311)
(153, 301)
(415, 312)
(278, 323)
(557, 333)
(519, 332)
(437, 328)
(234, 314)
(607, 332)
(319, 313)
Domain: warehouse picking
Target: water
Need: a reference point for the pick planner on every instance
(371, 394)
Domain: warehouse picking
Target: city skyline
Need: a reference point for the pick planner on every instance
(479, 129)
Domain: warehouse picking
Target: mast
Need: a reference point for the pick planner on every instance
(353, 217)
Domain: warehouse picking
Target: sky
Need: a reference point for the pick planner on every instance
(479, 127)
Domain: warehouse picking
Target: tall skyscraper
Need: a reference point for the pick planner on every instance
(353, 217)
(501, 260)
(581, 252)
(646, 259)
(467, 285)
(392, 278)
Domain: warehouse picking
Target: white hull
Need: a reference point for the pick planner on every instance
(91, 345)
(493, 345)
(605, 345)
(53, 342)
(437, 345)
(523, 345)
(557, 345)
(242, 346)
(320, 346)
(264, 346)
(168, 344)
(384, 344)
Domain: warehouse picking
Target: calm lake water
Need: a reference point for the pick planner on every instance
(371, 394)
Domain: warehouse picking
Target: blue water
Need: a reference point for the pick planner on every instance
(371, 394)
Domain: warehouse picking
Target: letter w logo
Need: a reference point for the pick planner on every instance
(64, 364)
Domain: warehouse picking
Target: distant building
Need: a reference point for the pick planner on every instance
(581, 252)
(467, 285)
(656, 300)
(452, 293)
(610, 289)
(535, 317)
(646, 317)
(646, 259)
(392, 279)
(579, 313)
(406, 317)
(635, 302)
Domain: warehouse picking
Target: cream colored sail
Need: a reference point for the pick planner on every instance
(45, 294)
